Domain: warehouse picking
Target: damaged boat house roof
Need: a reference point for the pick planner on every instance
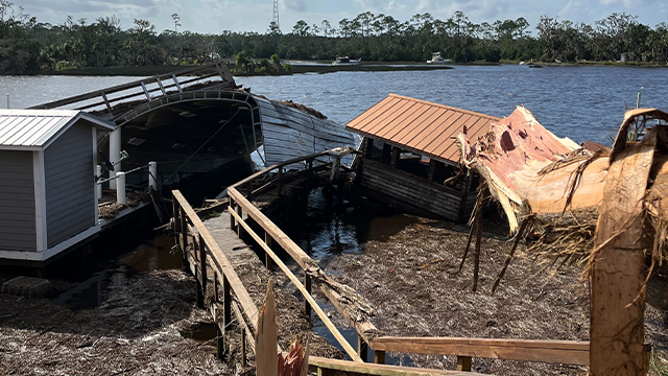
(426, 128)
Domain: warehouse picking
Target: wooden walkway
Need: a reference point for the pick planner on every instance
(236, 251)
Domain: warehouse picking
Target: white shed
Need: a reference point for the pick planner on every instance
(48, 196)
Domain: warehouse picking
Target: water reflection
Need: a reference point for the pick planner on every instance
(331, 225)
(88, 290)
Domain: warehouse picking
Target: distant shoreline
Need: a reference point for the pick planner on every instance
(323, 66)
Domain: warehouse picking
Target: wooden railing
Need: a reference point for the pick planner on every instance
(201, 252)
(142, 89)
(547, 351)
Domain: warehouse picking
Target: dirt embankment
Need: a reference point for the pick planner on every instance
(413, 282)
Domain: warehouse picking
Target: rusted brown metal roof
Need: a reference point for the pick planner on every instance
(423, 127)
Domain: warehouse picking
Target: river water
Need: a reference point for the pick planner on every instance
(577, 102)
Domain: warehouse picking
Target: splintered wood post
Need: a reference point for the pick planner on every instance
(617, 269)
(362, 348)
(476, 256)
(227, 303)
(307, 285)
(279, 182)
(266, 337)
(464, 363)
(220, 338)
(267, 258)
(379, 357)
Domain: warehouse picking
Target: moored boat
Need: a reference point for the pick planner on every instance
(345, 60)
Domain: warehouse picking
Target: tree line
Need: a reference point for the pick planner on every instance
(29, 46)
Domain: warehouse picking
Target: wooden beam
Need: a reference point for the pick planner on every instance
(274, 231)
(545, 351)
(363, 327)
(348, 368)
(323, 316)
(617, 298)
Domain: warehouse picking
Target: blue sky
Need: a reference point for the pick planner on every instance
(214, 16)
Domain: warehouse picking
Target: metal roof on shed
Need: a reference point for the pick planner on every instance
(423, 127)
(34, 129)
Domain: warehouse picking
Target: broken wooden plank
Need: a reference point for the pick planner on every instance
(348, 368)
(546, 351)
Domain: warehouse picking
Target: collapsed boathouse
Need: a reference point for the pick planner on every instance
(410, 158)
(48, 194)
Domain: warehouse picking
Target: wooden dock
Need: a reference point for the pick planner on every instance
(236, 251)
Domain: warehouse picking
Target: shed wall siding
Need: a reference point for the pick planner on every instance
(68, 166)
(17, 202)
(409, 193)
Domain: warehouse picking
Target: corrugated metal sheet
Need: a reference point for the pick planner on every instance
(423, 127)
(290, 133)
(34, 128)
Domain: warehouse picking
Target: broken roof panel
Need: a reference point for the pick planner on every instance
(423, 127)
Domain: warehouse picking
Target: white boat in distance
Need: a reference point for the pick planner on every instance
(436, 58)
(345, 60)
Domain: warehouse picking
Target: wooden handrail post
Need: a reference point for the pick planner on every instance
(202, 263)
(215, 287)
(362, 348)
(269, 242)
(280, 181)
(307, 285)
(379, 357)
(232, 220)
(220, 338)
(240, 229)
(249, 190)
(184, 238)
(243, 347)
(199, 295)
(227, 303)
(464, 363)
(176, 214)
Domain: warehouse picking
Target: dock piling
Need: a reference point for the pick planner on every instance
(99, 185)
(153, 175)
(120, 188)
(115, 154)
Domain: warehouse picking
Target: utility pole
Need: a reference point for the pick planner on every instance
(275, 18)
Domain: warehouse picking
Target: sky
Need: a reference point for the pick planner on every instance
(215, 16)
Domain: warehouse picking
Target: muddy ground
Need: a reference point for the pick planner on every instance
(135, 331)
(143, 326)
(412, 280)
